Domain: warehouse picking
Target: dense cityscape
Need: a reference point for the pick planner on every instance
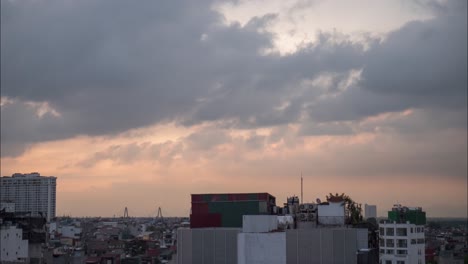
(223, 228)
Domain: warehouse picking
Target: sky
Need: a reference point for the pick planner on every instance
(140, 104)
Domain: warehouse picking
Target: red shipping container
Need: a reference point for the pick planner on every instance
(242, 197)
(200, 208)
(263, 196)
(205, 220)
(197, 198)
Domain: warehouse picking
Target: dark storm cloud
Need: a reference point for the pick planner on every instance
(108, 66)
(421, 65)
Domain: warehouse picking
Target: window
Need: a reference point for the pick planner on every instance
(390, 243)
(413, 241)
(390, 231)
(400, 262)
(420, 240)
(390, 251)
(401, 231)
(402, 243)
(388, 262)
(402, 252)
(382, 231)
(382, 242)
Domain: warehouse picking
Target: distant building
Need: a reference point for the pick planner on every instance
(70, 231)
(31, 193)
(402, 238)
(370, 211)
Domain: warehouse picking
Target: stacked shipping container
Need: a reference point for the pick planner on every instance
(226, 210)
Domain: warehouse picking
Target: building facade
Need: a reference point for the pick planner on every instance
(13, 248)
(402, 239)
(31, 193)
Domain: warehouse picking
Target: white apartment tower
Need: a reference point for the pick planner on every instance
(30, 193)
(402, 238)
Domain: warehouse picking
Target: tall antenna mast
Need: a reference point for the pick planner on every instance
(302, 201)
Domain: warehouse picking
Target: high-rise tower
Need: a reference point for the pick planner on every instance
(30, 193)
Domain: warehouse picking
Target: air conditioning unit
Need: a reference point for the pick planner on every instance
(303, 217)
(312, 207)
(302, 207)
(312, 217)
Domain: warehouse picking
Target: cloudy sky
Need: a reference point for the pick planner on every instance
(138, 104)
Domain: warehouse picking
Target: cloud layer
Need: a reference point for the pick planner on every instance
(99, 69)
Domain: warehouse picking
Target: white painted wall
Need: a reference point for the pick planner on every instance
(261, 248)
(331, 214)
(259, 223)
(12, 245)
(415, 252)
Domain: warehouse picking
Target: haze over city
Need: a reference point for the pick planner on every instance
(140, 104)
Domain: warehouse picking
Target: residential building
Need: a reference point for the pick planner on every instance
(402, 236)
(31, 193)
(13, 248)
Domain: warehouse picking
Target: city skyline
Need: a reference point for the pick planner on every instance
(141, 105)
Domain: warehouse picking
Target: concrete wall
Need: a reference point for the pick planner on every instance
(259, 223)
(207, 245)
(261, 248)
(322, 245)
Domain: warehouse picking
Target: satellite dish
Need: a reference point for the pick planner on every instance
(318, 201)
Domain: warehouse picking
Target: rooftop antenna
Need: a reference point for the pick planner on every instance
(125, 213)
(302, 201)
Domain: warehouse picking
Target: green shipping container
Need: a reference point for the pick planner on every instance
(414, 217)
(232, 212)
